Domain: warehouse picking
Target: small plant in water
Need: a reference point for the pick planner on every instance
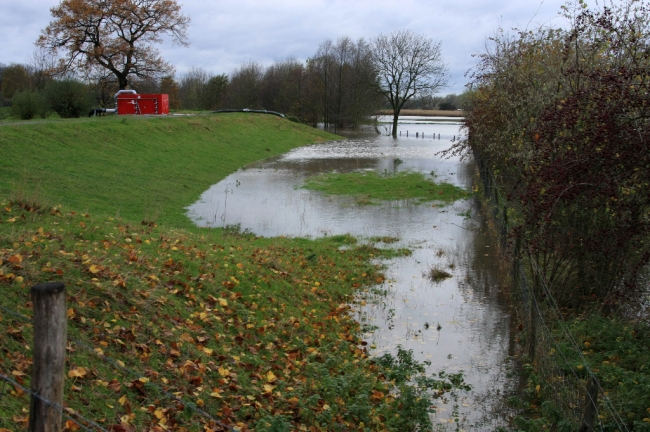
(385, 239)
(417, 391)
(437, 274)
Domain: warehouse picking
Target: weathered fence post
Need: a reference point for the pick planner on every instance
(591, 407)
(50, 335)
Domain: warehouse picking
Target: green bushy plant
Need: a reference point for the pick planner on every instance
(28, 104)
(68, 97)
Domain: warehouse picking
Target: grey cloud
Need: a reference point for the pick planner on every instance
(226, 33)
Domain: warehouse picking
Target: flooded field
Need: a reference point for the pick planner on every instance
(459, 323)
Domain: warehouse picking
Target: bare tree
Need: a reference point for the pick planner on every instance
(43, 65)
(116, 35)
(243, 90)
(407, 65)
(191, 87)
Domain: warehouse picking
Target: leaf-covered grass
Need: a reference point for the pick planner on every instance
(138, 168)
(172, 326)
(370, 187)
(243, 328)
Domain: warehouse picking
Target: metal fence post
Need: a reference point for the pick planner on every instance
(591, 407)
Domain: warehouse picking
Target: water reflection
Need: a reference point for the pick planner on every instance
(459, 323)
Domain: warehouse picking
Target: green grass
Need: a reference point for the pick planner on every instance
(5, 113)
(138, 168)
(618, 354)
(370, 187)
(165, 318)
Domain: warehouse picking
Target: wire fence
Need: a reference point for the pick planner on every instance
(577, 398)
(78, 419)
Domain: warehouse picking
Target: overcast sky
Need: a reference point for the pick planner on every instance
(223, 34)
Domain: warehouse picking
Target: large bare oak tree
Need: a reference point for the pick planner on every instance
(407, 65)
(116, 35)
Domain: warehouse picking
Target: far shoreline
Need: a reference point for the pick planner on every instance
(425, 113)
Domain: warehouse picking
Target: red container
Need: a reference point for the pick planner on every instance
(139, 104)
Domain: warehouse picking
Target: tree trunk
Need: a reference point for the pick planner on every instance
(395, 118)
(122, 81)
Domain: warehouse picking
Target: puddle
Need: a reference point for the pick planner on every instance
(460, 323)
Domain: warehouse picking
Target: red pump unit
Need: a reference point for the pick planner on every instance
(128, 102)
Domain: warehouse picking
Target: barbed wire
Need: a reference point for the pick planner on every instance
(115, 364)
(562, 323)
(498, 203)
(55, 405)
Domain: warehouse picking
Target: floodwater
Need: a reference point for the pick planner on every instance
(459, 324)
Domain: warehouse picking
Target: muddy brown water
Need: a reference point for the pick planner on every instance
(462, 323)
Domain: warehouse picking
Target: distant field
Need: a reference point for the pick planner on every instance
(425, 113)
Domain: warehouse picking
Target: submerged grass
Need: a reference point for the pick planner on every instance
(173, 327)
(370, 187)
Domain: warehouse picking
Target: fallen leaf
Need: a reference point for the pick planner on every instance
(79, 372)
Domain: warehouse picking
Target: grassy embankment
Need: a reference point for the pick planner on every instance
(170, 325)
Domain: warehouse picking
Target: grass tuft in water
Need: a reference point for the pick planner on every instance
(370, 187)
(385, 239)
(436, 274)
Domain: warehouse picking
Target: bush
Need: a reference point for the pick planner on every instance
(69, 98)
(28, 104)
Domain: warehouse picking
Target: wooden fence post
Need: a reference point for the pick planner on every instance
(50, 336)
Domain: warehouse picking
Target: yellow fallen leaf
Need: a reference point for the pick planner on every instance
(223, 302)
(208, 351)
(270, 377)
(185, 337)
(94, 269)
(122, 400)
(268, 388)
(159, 414)
(79, 372)
(223, 371)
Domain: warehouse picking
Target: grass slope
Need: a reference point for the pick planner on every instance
(138, 168)
(183, 329)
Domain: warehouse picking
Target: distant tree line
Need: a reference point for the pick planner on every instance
(450, 102)
(337, 86)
